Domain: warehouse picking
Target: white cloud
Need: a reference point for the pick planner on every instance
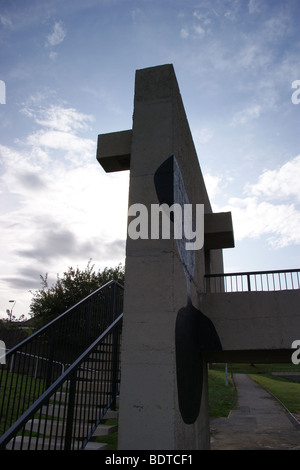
(197, 27)
(204, 135)
(75, 148)
(57, 117)
(269, 208)
(60, 127)
(276, 27)
(254, 6)
(203, 17)
(253, 218)
(6, 22)
(246, 115)
(58, 34)
(199, 30)
(231, 13)
(212, 184)
(58, 207)
(184, 33)
(280, 183)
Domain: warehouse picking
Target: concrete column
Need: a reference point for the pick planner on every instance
(155, 285)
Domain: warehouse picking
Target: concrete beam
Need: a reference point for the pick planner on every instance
(218, 231)
(254, 324)
(114, 150)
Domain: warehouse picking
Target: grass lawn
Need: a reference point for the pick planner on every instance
(21, 391)
(222, 398)
(287, 392)
(257, 368)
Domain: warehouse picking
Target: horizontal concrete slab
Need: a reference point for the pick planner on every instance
(254, 321)
(113, 150)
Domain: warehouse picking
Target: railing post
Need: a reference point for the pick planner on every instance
(51, 355)
(11, 363)
(248, 282)
(113, 302)
(88, 322)
(70, 413)
(115, 367)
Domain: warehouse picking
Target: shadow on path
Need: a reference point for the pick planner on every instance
(259, 422)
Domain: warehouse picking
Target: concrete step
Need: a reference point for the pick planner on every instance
(59, 411)
(57, 428)
(87, 385)
(27, 443)
(104, 430)
(85, 399)
(111, 414)
(96, 446)
(81, 396)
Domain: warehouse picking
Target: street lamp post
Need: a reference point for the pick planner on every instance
(10, 313)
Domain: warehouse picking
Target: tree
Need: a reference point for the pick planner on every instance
(75, 285)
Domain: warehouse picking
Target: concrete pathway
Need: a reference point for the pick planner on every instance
(259, 422)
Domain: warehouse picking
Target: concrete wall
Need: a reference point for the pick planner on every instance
(155, 285)
(265, 322)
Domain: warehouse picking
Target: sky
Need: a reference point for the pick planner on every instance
(67, 70)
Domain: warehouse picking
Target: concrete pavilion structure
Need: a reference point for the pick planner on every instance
(175, 321)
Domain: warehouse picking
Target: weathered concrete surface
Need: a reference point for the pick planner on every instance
(260, 422)
(255, 321)
(155, 285)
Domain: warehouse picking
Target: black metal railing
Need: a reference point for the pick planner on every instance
(253, 281)
(37, 362)
(66, 415)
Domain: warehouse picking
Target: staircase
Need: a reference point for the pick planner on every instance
(66, 410)
(44, 430)
(40, 432)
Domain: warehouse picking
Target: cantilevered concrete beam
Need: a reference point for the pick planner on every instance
(218, 231)
(113, 150)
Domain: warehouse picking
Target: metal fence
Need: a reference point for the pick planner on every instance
(37, 362)
(66, 415)
(253, 281)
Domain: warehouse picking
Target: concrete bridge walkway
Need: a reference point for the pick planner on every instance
(259, 422)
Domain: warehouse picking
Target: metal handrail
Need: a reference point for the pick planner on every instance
(61, 341)
(78, 425)
(274, 280)
(59, 317)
